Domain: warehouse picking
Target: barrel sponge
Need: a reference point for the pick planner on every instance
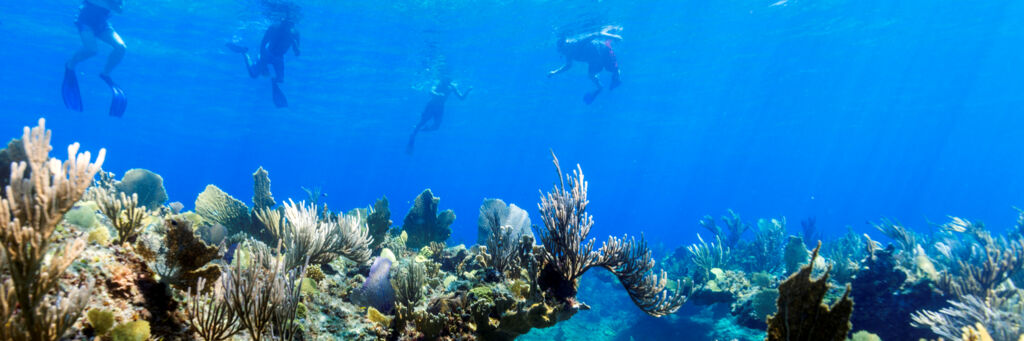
(147, 185)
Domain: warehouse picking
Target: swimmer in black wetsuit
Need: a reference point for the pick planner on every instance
(92, 26)
(596, 50)
(435, 109)
(278, 38)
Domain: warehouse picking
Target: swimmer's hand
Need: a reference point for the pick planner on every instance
(552, 73)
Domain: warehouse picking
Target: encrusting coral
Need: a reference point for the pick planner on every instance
(802, 314)
(32, 304)
(424, 224)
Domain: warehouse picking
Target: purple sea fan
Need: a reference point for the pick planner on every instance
(376, 290)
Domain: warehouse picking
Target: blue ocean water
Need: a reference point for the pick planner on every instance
(847, 111)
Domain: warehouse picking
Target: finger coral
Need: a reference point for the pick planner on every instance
(32, 305)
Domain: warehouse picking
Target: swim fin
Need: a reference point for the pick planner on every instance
(279, 100)
(69, 90)
(119, 102)
(590, 96)
(236, 48)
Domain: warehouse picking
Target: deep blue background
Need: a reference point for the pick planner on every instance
(844, 110)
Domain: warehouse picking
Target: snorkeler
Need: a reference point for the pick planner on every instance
(92, 25)
(435, 108)
(596, 50)
(278, 38)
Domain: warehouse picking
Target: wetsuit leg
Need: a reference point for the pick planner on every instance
(114, 40)
(612, 65)
(592, 71)
(278, 70)
(88, 48)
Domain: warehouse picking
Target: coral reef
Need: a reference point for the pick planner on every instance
(29, 213)
(147, 186)
(424, 224)
(802, 315)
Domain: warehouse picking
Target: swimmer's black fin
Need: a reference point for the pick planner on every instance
(236, 48)
(119, 103)
(69, 90)
(279, 100)
(589, 97)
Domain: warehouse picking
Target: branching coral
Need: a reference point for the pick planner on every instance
(734, 225)
(569, 253)
(506, 245)
(264, 297)
(424, 224)
(768, 244)
(895, 231)
(801, 313)
(987, 264)
(29, 213)
(408, 279)
(999, 317)
(304, 235)
(122, 210)
(708, 256)
(209, 315)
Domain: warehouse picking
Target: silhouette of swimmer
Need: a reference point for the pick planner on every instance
(594, 49)
(92, 25)
(277, 40)
(435, 109)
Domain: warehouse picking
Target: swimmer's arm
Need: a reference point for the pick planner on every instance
(566, 67)
(462, 95)
(433, 91)
(266, 41)
(607, 32)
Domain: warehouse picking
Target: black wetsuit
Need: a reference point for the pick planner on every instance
(435, 108)
(594, 51)
(95, 18)
(276, 41)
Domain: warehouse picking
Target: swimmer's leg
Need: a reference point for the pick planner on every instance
(593, 72)
(87, 50)
(278, 71)
(115, 41)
